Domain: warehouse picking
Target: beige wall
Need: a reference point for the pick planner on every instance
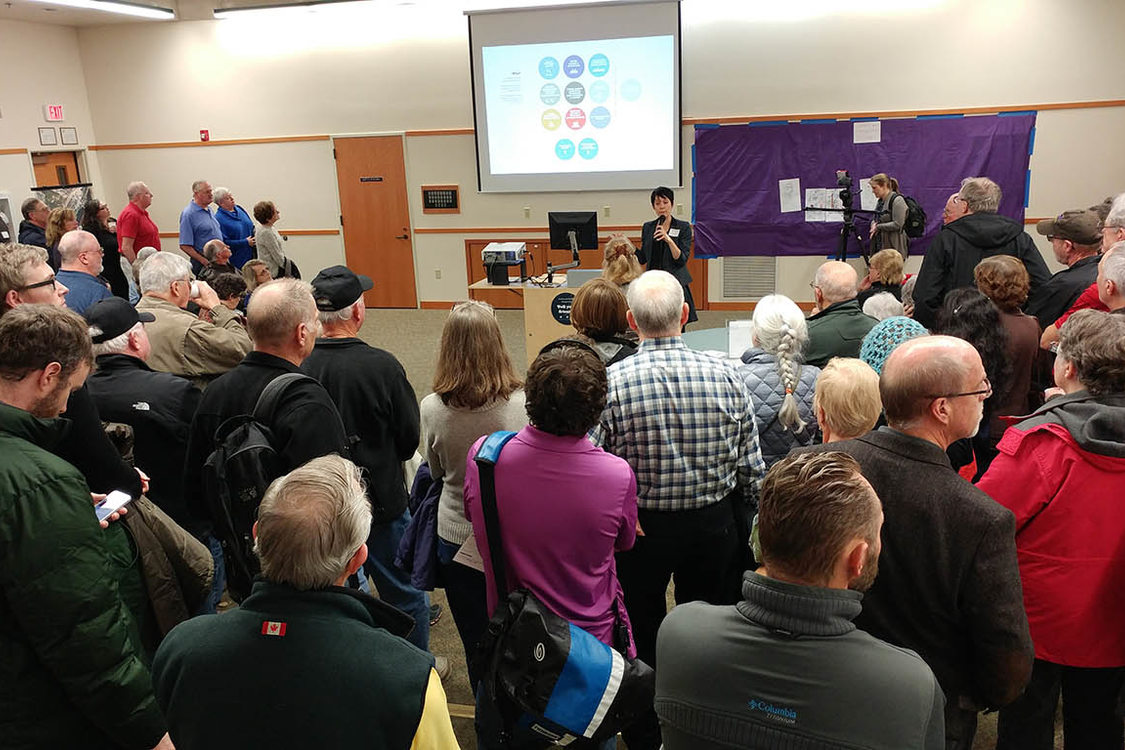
(406, 68)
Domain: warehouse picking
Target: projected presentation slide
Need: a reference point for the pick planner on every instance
(588, 106)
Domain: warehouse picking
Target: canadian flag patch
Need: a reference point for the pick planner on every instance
(269, 627)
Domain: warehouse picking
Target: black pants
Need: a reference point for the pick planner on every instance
(1089, 699)
(696, 548)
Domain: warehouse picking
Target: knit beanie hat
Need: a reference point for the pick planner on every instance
(885, 337)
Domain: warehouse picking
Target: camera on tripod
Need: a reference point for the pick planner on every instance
(844, 181)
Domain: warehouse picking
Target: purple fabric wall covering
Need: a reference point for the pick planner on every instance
(737, 167)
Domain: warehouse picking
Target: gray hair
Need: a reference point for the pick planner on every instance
(980, 194)
(837, 281)
(73, 243)
(781, 330)
(211, 249)
(908, 290)
(311, 522)
(159, 271)
(1113, 265)
(115, 345)
(134, 189)
(328, 317)
(143, 254)
(1116, 216)
(219, 193)
(29, 205)
(656, 300)
(882, 306)
(276, 309)
(197, 186)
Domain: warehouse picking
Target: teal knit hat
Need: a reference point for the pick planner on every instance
(885, 337)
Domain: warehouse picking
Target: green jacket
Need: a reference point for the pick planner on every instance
(837, 331)
(72, 673)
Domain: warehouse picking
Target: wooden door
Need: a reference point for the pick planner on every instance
(376, 218)
(55, 168)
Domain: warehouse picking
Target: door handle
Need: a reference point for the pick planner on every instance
(402, 236)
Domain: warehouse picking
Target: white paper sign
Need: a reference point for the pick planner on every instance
(867, 199)
(790, 192)
(469, 555)
(740, 337)
(867, 132)
(814, 198)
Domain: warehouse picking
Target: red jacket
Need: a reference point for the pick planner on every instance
(1062, 473)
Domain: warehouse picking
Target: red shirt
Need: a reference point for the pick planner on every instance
(134, 222)
(1088, 300)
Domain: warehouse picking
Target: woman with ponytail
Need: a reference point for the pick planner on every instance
(620, 264)
(782, 387)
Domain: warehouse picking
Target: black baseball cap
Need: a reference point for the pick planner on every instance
(337, 287)
(114, 316)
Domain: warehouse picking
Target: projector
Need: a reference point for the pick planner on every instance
(504, 253)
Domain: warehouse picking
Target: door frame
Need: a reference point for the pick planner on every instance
(401, 134)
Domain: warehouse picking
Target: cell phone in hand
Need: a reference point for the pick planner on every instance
(113, 502)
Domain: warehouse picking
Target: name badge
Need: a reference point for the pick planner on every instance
(673, 233)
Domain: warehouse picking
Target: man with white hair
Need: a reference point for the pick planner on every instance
(1111, 278)
(1113, 227)
(961, 244)
(380, 413)
(157, 405)
(282, 322)
(81, 257)
(685, 422)
(949, 583)
(135, 228)
(182, 343)
(198, 225)
(237, 226)
(837, 330)
(304, 662)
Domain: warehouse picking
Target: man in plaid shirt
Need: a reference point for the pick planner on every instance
(685, 422)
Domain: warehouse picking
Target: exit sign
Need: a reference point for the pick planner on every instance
(53, 112)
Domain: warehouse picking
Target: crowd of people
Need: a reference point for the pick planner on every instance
(881, 520)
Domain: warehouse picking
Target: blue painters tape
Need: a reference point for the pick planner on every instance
(939, 117)
(864, 119)
(822, 121)
(707, 126)
(767, 123)
(1027, 188)
(705, 257)
(1021, 113)
(1031, 142)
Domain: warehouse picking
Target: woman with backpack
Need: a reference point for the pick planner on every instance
(888, 226)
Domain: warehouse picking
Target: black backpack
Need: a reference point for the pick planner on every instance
(235, 478)
(915, 224)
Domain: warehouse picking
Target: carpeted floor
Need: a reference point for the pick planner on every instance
(414, 337)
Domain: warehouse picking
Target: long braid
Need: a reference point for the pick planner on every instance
(789, 416)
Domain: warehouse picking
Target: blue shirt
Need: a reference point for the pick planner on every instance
(198, 226)
(685, 422)
(237, 226)
(85, 289)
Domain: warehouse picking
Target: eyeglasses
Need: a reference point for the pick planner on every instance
(986, 392)
(50, 281)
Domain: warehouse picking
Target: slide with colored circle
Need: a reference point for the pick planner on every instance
(588, 106)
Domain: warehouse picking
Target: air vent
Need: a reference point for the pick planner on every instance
(749, 277)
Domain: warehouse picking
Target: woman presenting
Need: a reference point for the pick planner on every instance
(666, 244)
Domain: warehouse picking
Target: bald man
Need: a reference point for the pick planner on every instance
(949, 585)
(838, 329)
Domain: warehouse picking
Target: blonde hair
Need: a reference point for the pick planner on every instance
(848, 391)
(883, 180)
(56, 226)
(473, 367)
(888, 262)
(620, 264)
(780, 329)
(248, 274)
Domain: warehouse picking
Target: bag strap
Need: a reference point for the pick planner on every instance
(486, 458)
(271, 395)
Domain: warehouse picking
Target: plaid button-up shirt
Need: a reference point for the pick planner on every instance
(685, 422)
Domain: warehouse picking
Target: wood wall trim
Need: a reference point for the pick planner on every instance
(439, 131)
(288, 232)
(192, 144)
(12, 151)
(524, 230)
(432, 305)
(749, 306)
(735, 119)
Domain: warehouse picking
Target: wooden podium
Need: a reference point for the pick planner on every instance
(546, 311)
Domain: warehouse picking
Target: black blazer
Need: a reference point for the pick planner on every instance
(656, 256)
(948, 584)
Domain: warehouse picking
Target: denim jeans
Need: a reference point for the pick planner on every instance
(393, 585)
(211, 605)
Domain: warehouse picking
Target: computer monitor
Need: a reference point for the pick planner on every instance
(583, 225)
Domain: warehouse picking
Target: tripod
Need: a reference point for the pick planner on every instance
(847, 231)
